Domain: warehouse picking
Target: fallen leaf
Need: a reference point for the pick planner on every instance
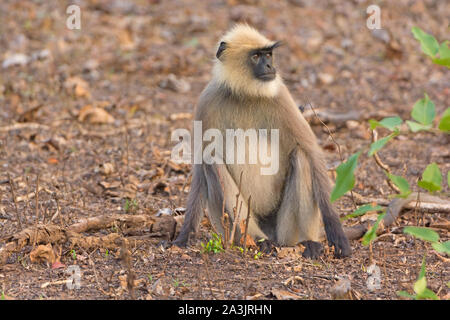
(77, 87)
(284, 295)
(43, 253)
(110, 185)
(58, 265)
(249, 242)
(52, 160)
(342, 289)
(95, 115)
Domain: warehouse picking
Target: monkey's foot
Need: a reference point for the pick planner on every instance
(180, 242)
(265, 246)
(313, 249)
(165, 244)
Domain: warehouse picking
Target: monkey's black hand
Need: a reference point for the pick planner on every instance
(341, 246)
(313, 249)
(265, 246)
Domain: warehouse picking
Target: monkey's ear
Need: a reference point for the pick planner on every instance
(222, 47)
(277, 44)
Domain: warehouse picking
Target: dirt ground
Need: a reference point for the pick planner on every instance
(88, 114)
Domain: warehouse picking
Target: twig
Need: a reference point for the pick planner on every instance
(382, 165)
(334, 141)
(236, 211)
(26, 125)
(205, 259)
(11, 183)
(246, 224)
(428, 203)
(37, 206)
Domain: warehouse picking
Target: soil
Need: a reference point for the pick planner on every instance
(88, 115)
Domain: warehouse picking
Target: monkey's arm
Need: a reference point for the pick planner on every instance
(195, 205)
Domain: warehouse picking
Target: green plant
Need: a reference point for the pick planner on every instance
(431, 47)
(177, 283)
(258, 255)
(131, 205)
(213, 245)
(74, 254)
(420, 287)
(429, 235)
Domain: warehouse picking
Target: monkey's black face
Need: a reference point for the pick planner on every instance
(261, 62)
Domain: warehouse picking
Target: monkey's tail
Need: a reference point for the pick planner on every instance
(321, 191)
(194, 207)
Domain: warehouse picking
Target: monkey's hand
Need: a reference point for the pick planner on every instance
(340, 243)
(313, 249)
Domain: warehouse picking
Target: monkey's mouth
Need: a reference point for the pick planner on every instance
(267, 76)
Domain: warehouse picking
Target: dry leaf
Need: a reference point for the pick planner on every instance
(77, 87)
(58, 265)
(95, 115)
(180, 116)
(249, 242)
(43, 253)
(110, 185)
(342, 289)
(108, 168)
(52, 160)
(284, 295)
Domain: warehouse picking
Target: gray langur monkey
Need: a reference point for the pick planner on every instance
(288, 207)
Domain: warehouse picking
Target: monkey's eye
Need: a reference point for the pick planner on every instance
(255, 57)
(269, 55)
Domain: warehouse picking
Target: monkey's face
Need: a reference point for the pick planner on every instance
(261, 63)
(245, 64)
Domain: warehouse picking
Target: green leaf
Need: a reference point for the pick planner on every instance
(371, 234)
(377, 145)
(345, 180)
(443, 62)
(405, 294)
(420, 285)
(424, 111)
(442, 247)
(362, 211)
(428, 43)
(444, 50)
(444, 55)
(415, 127)
(448, 178)
(431, 178)
(444, 124)
(389, 123)
(422, 233)
(427, 294)
(401, 183)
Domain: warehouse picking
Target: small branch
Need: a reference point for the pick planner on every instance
(246, 224)
(236, 211)
(382, 165)
(394, 210)
(334, 141)
(26, 125)
(428, 203)
(11, 184)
